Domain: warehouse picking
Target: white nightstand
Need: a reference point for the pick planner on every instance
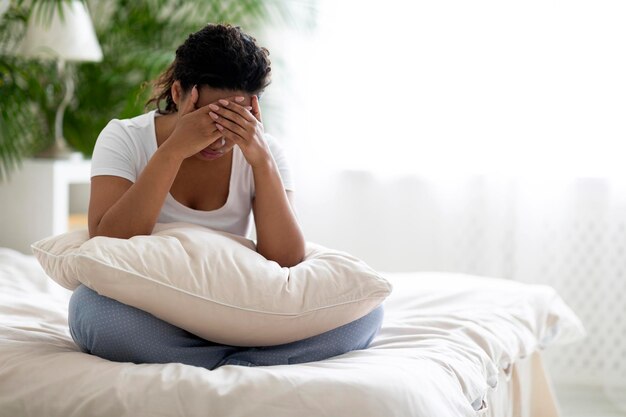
(35, 200)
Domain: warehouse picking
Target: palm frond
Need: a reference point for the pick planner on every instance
(25, 99)
(138, 39)
(22, 125)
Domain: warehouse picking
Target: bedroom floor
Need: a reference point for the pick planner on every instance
(585, 401)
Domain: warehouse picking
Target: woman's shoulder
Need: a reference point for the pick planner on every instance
(281, 157)
(131, 139)
(141, 122)
(274, 144)
(123, 147)
(276, 147)
(137, 131)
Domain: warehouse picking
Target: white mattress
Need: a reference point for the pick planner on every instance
(446, 342)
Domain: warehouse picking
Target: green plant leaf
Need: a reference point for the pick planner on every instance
(138, 39)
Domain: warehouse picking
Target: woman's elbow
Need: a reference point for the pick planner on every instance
(287, 259)
(288, 262)
(106, 233)
(102, 230)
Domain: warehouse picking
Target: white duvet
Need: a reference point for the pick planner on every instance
(444, 341)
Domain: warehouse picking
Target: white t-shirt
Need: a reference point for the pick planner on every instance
(124, 148)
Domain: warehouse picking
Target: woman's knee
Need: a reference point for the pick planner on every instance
(100, 325)
(78, 312)
(375, 322)
(113, 330)
(360, 333)
(355, 335)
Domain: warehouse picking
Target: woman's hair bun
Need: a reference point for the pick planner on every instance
(220, 56)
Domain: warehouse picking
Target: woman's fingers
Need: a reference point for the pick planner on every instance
(229, 124)
(256, 109)
(236, 112)
(230, 135)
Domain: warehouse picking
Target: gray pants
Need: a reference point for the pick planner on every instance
(112, 330)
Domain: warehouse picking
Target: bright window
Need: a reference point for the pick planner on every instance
(524, 87)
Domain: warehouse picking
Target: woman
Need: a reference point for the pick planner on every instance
(204, 159)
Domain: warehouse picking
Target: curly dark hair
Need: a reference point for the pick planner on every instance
(220, 56)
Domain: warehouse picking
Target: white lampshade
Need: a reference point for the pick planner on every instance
(68, 38)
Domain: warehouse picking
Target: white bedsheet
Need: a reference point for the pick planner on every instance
(444, 342)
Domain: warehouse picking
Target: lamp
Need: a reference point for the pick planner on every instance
(68, 36)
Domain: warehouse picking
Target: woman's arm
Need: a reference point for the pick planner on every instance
(118, 208)
(279, 236)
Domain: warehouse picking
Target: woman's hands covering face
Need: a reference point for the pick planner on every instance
(195, 130)
(242, 126)
(219, 126)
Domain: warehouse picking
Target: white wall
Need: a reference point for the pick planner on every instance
(566, 233)
(480, 137)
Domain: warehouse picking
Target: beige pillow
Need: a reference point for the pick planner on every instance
(214, 284)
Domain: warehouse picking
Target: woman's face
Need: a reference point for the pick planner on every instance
(206, 96)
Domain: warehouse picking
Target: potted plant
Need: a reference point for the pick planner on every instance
(138, 39)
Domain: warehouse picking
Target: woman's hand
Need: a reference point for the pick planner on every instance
(242, 126)
(195, 130)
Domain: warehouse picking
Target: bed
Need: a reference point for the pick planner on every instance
(450, 345)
